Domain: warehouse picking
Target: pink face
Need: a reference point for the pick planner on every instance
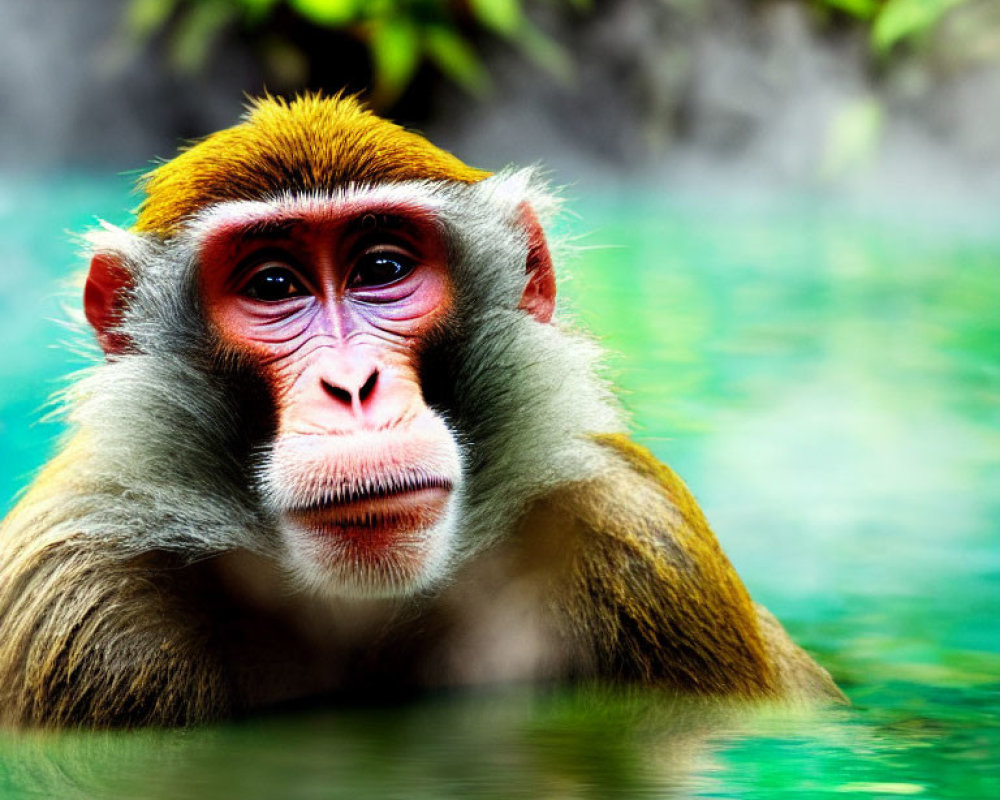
(333, 303)
(361, 286)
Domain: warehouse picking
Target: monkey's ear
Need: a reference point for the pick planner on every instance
(108, 283)
(539, 296)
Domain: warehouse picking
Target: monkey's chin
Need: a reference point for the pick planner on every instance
(391, 546)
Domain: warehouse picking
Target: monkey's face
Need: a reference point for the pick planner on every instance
(315, 319)
(332, 302)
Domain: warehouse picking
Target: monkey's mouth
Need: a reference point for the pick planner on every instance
(375, 512)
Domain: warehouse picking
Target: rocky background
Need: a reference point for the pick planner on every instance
(670, 92)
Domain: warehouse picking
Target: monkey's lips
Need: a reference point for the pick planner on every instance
(370, 513)
(373, 518)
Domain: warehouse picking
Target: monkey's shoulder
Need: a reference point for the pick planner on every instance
(636, 500)
(644, 464)
(651, 587)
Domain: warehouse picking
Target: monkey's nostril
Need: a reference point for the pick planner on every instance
(369, 386)
(337, 393)
(346, 396)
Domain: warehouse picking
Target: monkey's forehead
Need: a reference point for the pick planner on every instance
(418, 203)
(310, 144)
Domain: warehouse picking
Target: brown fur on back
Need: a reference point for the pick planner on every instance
(650, 596)
(92, 639)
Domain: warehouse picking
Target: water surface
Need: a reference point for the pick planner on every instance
(825, 377)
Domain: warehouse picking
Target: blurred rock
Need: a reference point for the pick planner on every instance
(702, 92)
(72, 91)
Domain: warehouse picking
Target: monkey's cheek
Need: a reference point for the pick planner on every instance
(387, 548)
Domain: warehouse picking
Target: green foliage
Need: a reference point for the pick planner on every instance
(399, 35)
(196, 32)
(904, 19)
(333, 13)
(403, 36)
(862, 9)
(895, 21)
(396, 53)
(456, 58)
(145, 16)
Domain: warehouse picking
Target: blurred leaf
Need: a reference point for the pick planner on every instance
(255, 11)
(332, 13)
(196, 31)
(455, 57)
(395, 50)
(145, 17)
(546, 52)
(501, 16)
(862, 9)
(854, 136)
(399, 34)
(900, 19)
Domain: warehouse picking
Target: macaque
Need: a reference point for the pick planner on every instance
(338, 446)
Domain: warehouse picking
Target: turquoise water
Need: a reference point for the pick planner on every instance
(826, 379)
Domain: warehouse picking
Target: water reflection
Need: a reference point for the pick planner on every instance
(517, 743)
(581, 743)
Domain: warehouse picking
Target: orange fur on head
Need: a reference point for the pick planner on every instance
(310, 143)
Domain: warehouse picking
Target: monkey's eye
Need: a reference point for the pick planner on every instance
(272, 284)
(380, 268)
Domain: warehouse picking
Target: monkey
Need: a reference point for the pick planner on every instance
(340, 445)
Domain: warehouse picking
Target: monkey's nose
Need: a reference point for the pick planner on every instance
(353, 393)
